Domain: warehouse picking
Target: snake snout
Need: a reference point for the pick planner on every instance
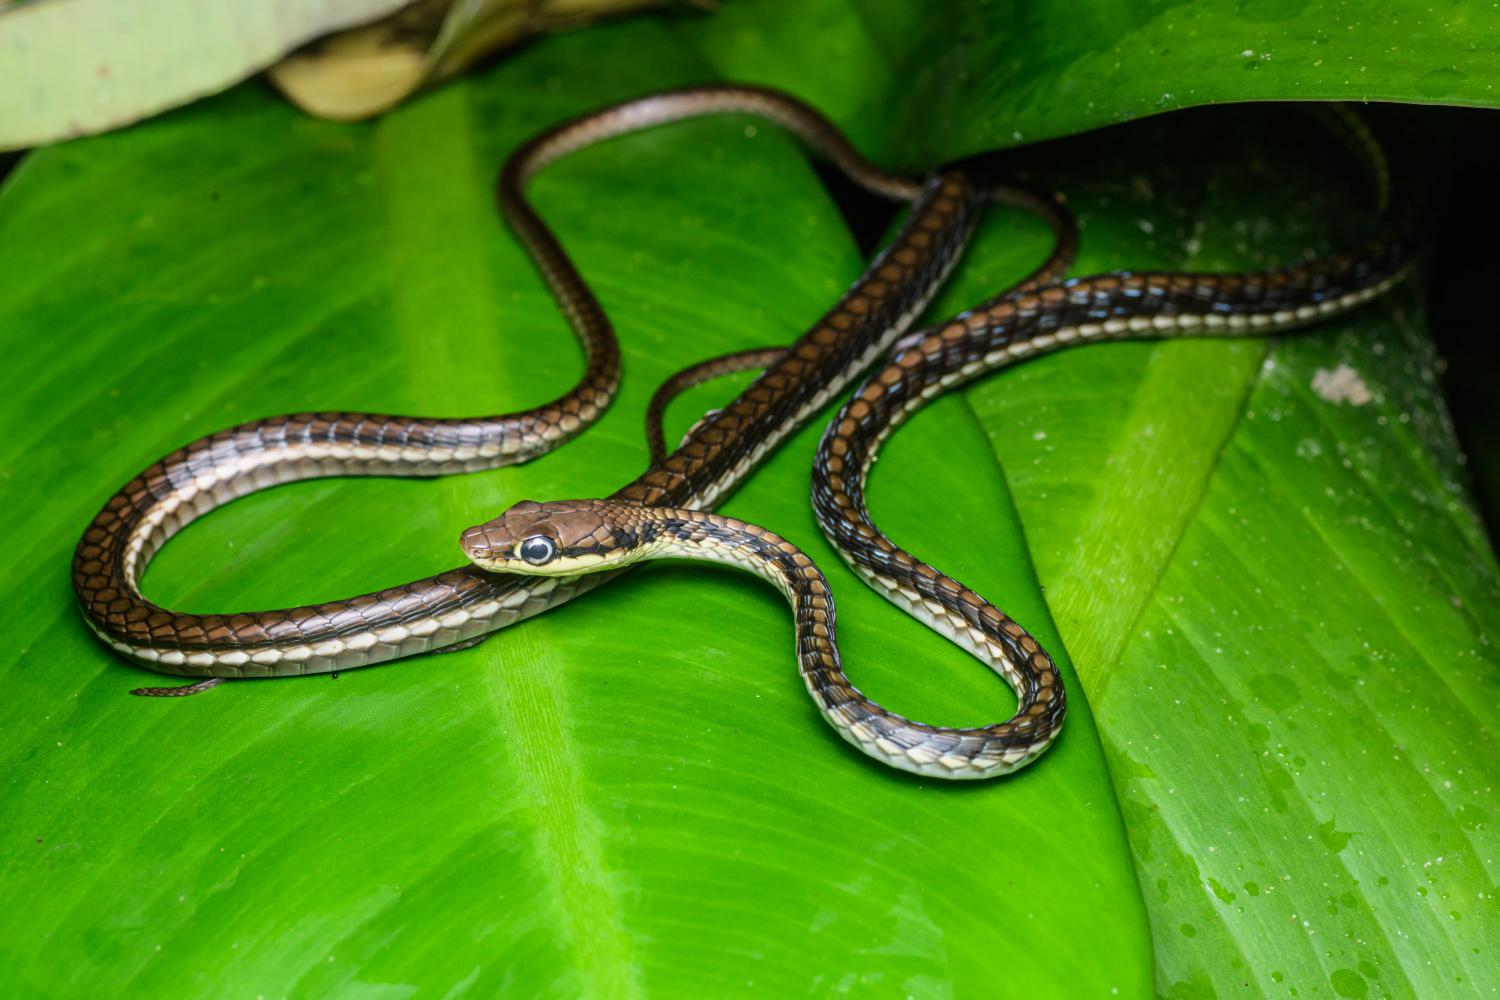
(478, 544)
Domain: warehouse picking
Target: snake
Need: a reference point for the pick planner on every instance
(537, 555)
(466, 604)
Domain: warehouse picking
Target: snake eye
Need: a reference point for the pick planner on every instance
(538, 550)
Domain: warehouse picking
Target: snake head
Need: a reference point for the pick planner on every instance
(558, 538)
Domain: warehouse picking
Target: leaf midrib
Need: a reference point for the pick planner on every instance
(434, 177)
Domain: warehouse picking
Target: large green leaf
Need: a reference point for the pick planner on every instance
(924, 82)
(632, 793)
(1278, 597)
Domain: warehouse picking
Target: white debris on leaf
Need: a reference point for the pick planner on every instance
(1342, 385)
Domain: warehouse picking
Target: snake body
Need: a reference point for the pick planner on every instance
(465, 604)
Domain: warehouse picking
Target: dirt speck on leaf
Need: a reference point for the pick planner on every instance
(1341, 385)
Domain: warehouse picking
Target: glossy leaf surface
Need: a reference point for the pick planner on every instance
(624, 794)
(632, 794)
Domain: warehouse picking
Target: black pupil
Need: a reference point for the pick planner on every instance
(537, 549)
